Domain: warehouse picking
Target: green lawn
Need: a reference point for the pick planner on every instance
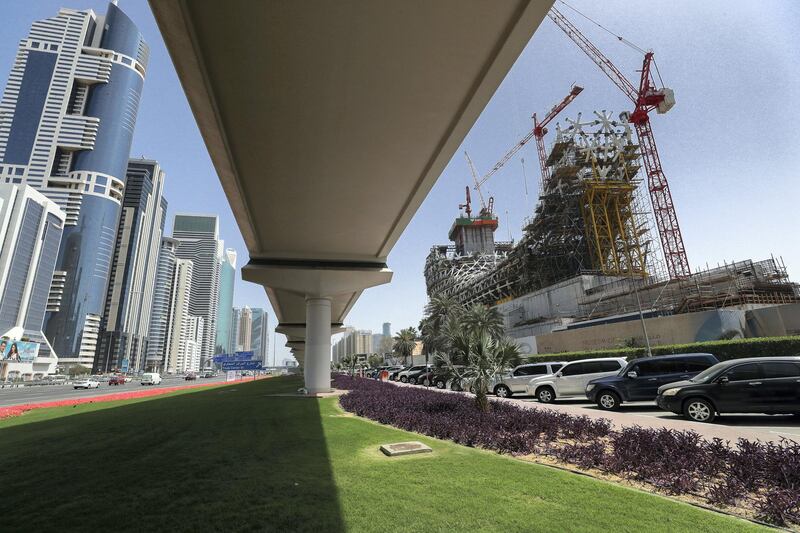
(237, 459)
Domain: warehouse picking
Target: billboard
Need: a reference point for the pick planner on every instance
(18, 351)
(241, 365)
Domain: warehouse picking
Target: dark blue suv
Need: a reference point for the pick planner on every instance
(640, 379)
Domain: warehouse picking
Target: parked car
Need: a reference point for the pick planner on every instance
(769, 385)
(640, 379)
(86, 383)
(414, 376)
(403, 375)
(116, 380)
(516, 381)
(393, 374)
(571, 380)
(151, 378)
(442, 376)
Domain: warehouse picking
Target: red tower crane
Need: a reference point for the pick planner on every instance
(645, 98)
(538, 131)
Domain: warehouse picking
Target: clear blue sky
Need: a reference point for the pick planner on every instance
(728, 147)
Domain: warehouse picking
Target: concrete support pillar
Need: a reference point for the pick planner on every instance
(318, 345)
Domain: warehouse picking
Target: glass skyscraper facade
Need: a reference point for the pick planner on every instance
(125, 325)
(227, 279)
(198, 241)
(66, 125)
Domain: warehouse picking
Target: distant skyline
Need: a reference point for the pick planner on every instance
(728, 146)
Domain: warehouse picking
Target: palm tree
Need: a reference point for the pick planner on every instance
(441, 307)
(480, 319)
(404, 343)
(484, 357)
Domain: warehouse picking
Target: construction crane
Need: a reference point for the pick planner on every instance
(538, 131)
(646, 98)
(486, 209)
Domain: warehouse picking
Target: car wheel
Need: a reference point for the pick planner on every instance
(699, 410)
(413, 381)
(403, 379)
(502, 391)
(608, 400)
(546, 395)
(440, 384)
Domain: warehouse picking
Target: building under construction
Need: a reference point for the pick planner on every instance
(588, 252)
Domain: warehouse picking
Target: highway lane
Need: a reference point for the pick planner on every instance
(48, 393)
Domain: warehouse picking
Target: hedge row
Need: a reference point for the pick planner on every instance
(723, 350)
(763, 477)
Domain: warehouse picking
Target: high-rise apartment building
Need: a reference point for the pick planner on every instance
(198, 241)
(259, 337)
(227, 278)
(236, 319)
(66, 125)
(387, 329)
(162, 301)
(182, 345)
(125, 326)
(353, 342)
(245, 329)
(30, 232)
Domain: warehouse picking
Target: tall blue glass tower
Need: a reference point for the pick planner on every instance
(66, 125)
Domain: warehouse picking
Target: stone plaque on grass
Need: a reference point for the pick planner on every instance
(404, 448)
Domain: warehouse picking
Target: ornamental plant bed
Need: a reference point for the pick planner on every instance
(16, 410)
(749, 478)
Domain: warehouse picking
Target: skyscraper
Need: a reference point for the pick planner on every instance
(125, 326)
(236, 319)
(227, 278)
(66, 125)
(184, 336)
(198, 241)
(259, 336)
(387, 329)
(245, 329)
(162, 301)
(30, 231)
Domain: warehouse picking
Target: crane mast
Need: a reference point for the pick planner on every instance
(645, 99)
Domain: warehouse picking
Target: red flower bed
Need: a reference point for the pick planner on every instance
(16, 410)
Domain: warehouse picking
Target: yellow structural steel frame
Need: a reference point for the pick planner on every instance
(610, 224)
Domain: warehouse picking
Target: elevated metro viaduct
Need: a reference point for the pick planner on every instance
(328, 123)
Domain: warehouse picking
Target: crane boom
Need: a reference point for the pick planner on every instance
(594, 53)
(645, 99)
(538, 131)
(475, 179)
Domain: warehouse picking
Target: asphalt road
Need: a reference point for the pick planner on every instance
(647, 414)
(47, 393)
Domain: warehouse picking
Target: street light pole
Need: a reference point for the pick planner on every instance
(641, 318)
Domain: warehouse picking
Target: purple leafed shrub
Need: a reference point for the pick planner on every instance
(763, 476)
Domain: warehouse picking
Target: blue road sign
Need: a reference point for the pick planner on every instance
(236, 356)
(241, 365)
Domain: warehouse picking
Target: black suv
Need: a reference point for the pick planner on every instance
(640, 379)
(769, 385)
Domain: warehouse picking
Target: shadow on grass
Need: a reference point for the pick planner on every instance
(226, 459)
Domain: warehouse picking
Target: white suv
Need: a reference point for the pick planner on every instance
(516, 381)
(571, 380)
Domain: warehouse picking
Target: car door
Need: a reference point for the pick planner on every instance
(780, 392)
(640, 387)
(519, 379)
(530, 372)
(598, 369)
(568, 380)
(743, 392)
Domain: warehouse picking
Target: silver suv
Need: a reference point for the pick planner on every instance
(516, 381)
(571, 380)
